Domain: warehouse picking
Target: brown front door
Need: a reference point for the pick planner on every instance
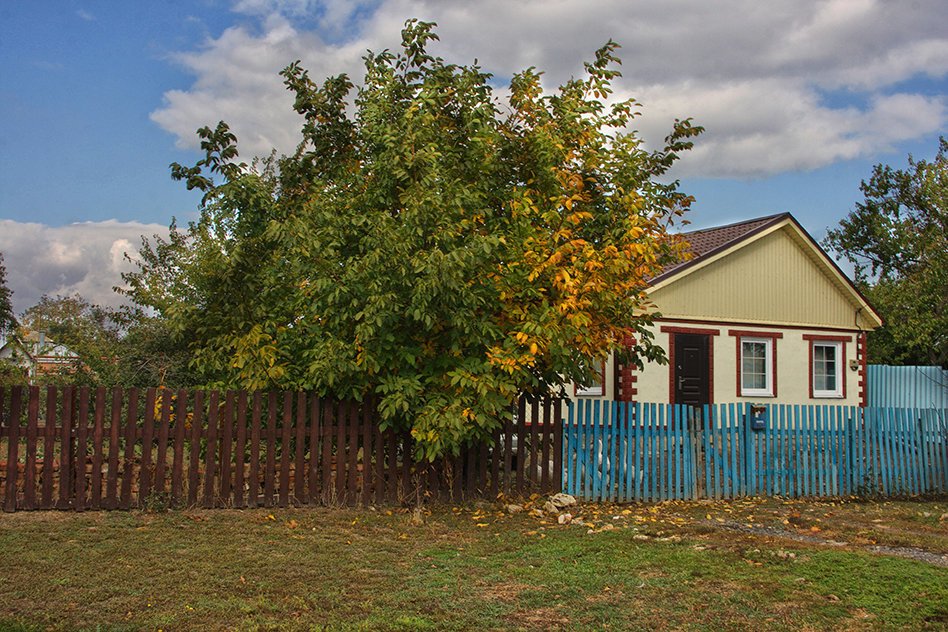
(692, 370)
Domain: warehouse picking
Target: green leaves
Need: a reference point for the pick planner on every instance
(7, 317)
(897, 238)
(423, 247)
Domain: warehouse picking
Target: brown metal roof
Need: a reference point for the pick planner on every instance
(708, 241)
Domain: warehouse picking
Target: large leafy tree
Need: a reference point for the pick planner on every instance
(897, 238)
(425, 245)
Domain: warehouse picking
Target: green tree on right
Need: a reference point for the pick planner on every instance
(897, 240)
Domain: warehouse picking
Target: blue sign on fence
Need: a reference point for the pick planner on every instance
(758, 417)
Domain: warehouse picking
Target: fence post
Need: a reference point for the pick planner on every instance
(82, 428)
(13, 445)
(32, 439)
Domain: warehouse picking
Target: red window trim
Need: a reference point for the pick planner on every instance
(827, 338)
(842, 352)
(690, 330)
(602, 382)
(745, 333)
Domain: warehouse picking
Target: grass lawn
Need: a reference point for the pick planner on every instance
(674, 566)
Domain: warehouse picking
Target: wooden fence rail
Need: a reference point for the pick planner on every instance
(97, 448)
(622, 452)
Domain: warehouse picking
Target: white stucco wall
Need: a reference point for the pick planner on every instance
(792, 373)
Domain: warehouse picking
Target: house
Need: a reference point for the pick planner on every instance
(761, 314)
(38, 355)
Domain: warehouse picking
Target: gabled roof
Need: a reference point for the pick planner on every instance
(708, 241)
(710, 244)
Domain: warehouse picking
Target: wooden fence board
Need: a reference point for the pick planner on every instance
(66, 450)
(13, 452)
(210, 459)
(81, 460)
(161, 452)
(29, 473)
(115, 430)
(299, 467)
(49, 447)
(180, 430)
(97, 439)
(226, 484)
(286, 455)
(128, 462)
(269, 471)
(148, 430)
(339, 460)
(253, 491)
(315, 449)
(326, 451)
(194, 452)
(240, 447)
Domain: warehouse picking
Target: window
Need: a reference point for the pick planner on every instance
(827, 365)
(757, 367)
(756, 362)
(597, 388)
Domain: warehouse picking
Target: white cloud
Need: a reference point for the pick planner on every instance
(753, 73)
(782, 126)
(86, 257)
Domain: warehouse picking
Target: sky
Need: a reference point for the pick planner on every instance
(97, 98)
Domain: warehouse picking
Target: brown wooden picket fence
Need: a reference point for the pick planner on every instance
(81, 448)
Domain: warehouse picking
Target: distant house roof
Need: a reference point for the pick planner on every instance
(36, 351)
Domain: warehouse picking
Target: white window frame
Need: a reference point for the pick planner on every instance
(836, 393)
(593, 390)
(768, 390)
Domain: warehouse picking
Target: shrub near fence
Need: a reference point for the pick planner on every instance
(82, 448)
(648, 452)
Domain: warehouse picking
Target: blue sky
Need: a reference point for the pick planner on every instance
(97, 98)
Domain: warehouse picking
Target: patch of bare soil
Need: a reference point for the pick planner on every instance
(939, 559)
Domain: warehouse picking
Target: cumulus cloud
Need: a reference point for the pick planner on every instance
(86, 257)
(755, 74)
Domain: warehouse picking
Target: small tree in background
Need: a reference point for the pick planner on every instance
(115, 347)
(7, 317)
(424, 246)
(898, 240)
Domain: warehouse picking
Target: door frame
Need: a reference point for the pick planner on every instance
(672, 369)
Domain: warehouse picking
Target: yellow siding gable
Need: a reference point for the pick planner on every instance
(777, 278)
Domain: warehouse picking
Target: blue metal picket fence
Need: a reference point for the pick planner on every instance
(622, 452)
